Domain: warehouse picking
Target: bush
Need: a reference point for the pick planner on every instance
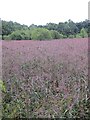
(19, 35)
(6, 37)
(71, 36)
(83, 33)
(40, 34)
(56, 35)
(78, 35)
(16, 36)
(64, 36)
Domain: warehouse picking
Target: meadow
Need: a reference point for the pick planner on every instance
(45, 79)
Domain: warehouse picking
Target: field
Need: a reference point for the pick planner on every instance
(45, 79)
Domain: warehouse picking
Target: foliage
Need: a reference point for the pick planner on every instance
(71, 36)
(40, 34)
(67, 29)
(9, 27)
(83, 33)
(56, 35)
(78, 35)
(19, 35)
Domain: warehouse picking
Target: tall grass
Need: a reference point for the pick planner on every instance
(44, 89)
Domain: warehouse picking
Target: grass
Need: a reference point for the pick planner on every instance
(45, 88)
(39, 92)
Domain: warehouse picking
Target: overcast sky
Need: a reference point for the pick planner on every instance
(40, 12)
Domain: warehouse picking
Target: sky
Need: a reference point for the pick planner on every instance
(40, 12)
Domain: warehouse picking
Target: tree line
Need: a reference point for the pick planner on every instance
(69, 29)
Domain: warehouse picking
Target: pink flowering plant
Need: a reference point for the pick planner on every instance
(45, 79)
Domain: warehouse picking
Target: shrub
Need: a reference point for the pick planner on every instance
(19, 35)
(40, 34)
(56, 35)
(78, 35)
(71, 36)
(83, 33)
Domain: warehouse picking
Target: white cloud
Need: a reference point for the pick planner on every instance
(43, 11)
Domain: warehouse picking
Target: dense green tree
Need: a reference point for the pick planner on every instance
(40, 34)
(78, 35)
(60, 27)
(19, 35)
(71, 36)
(56, 35)
(83, 33)
(14, 30)
(51, 26)
(83, 24)
(73, 28)
(9, 27)
(32, 26)
(16, 36)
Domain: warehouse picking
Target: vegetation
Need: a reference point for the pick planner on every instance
(45, 79)
(40, 34)
(15, 31)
